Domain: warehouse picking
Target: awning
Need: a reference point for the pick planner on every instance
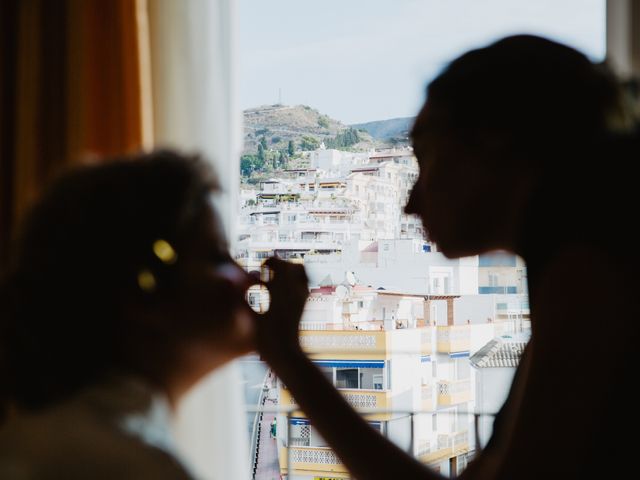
(298, 421)
(459, 355)
(350, 363)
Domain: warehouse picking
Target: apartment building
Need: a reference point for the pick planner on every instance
(402, 358)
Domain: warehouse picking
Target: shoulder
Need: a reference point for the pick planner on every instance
(591, 273)
(66, 443)
(587, 293)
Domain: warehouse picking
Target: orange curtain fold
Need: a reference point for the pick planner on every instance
(70, 91)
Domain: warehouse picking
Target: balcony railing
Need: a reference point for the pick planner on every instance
(345, 344)
(455, 338)
(453, 393)
(457, 442)
(426, 340)
(297, 457)
(311, 459)
(369, 400)
(366, 399)
(427, 398)
(363, 340)
(448, 445)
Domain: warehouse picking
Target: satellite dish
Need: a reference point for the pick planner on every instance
(341, 291)
(351, 278)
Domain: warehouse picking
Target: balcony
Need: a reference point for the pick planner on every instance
(306, 460)
(426, 340)
(448, 445)
(427, 397)
(454, 338)
(345, 344)
(456, 443)
(453, 393)
(358, 399)
(367, 340)
(368, 399)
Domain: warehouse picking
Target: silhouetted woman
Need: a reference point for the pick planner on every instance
(121, 295)
(524, 146)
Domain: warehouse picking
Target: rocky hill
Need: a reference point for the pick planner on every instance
(303, 125)
(393, 130)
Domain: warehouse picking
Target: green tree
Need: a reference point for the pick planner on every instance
(261, 155)
(344, 139)
(309, 143)
(323, 121)
(263, 142)
(291, 148)
(250, 164)
(246, 165)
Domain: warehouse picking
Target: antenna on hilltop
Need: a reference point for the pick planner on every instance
(280, 96)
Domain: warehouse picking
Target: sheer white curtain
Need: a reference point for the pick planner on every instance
(623, 37)
(192, 57)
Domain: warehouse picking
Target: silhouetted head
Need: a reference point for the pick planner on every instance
(498, 121)
(120, 268)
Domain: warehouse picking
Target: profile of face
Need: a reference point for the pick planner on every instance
(467, 203)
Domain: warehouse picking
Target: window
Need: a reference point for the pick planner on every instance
(304, 60)
(347, 378)
(254, 299)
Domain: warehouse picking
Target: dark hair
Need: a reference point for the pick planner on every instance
(540, 93)
(76, 262)
(557, 112)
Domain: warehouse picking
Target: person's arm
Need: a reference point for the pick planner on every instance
(366, 453)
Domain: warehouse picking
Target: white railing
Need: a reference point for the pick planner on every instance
(371, 326)
(424, 446)
(460, 438)
(353, 342)
(453, 440)
(454, 333)
(426, 393)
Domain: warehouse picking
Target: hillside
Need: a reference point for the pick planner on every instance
(279, 124)
(385, 130)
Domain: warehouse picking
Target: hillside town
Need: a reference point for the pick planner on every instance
(422, 343)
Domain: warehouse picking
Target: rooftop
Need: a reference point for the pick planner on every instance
(500, 352)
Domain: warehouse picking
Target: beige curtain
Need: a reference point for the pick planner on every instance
(69, 91)
(81, 79)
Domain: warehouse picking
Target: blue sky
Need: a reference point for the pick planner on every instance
(365, 60)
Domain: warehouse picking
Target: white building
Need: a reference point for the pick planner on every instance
(407, 265)
(494, 365)
(404, 356)
(380, 319)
